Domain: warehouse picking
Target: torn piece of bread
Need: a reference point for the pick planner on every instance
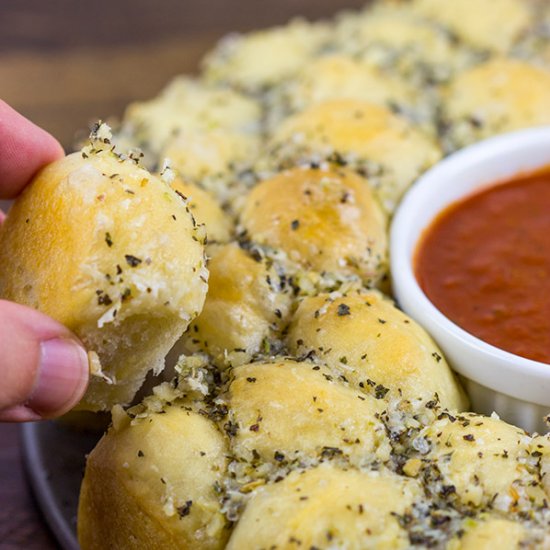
(113, 253)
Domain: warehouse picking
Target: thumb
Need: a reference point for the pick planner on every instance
(43, 367)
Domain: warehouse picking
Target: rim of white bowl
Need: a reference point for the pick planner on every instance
(516, 376)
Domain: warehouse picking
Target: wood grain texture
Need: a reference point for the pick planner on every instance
(66, 63)
(78, 87)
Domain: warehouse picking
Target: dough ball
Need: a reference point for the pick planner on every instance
(327, 508)
(325, 220)
(110, 251)
(480, 460)
(198, 112)
(260, 59)
(246, 308)
(206, 210)
(376, 344)
(492, 25)
(149, 483)
(343, 77)
(190, 104)
(382, 146)
(498, 96)
(286, 412)
(398, 39)
(200, 154)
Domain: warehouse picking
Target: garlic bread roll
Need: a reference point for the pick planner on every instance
(342, 77)
(398, 39)
(325, 220)
(209, 133)
(492, 25)
(260, 59)
(327, 508)
(201, 154)
(382, 146)
(376, 344)
(501, 95)
(287, 412)
(245, 309)
(206, 210)
(192, 106)
(110, 251)
(149, 483)
(478, 460)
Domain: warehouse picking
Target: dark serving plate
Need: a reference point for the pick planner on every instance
(54, 455)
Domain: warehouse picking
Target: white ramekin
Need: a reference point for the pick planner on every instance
(517, 389)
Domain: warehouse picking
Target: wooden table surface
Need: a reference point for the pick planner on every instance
(65, 64)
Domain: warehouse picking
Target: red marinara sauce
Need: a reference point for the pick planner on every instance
(485, 263)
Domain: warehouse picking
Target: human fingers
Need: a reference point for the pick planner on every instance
(24, 149)
(44, 369)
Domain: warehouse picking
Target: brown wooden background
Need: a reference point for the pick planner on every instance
(66, 63)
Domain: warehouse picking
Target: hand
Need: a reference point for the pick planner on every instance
(43, 366)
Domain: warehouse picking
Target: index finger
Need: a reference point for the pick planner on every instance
(24, 149)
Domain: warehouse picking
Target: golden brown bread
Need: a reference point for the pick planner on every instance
(136, 494)
(342, 428)
(262, 58)
(191, 106)
(485, 24)
(327, 508)
(485, 460)
(206, 210)
(389, 151)
(501, 95)
(397, 38)
(342, 77)
(376, 344)
(297, 412)
(245, 310)
(208, 132)
(324, 219)
(113, 253)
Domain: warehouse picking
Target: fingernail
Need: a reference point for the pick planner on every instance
(62, 377)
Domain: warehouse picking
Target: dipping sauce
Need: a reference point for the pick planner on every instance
(485, 263)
